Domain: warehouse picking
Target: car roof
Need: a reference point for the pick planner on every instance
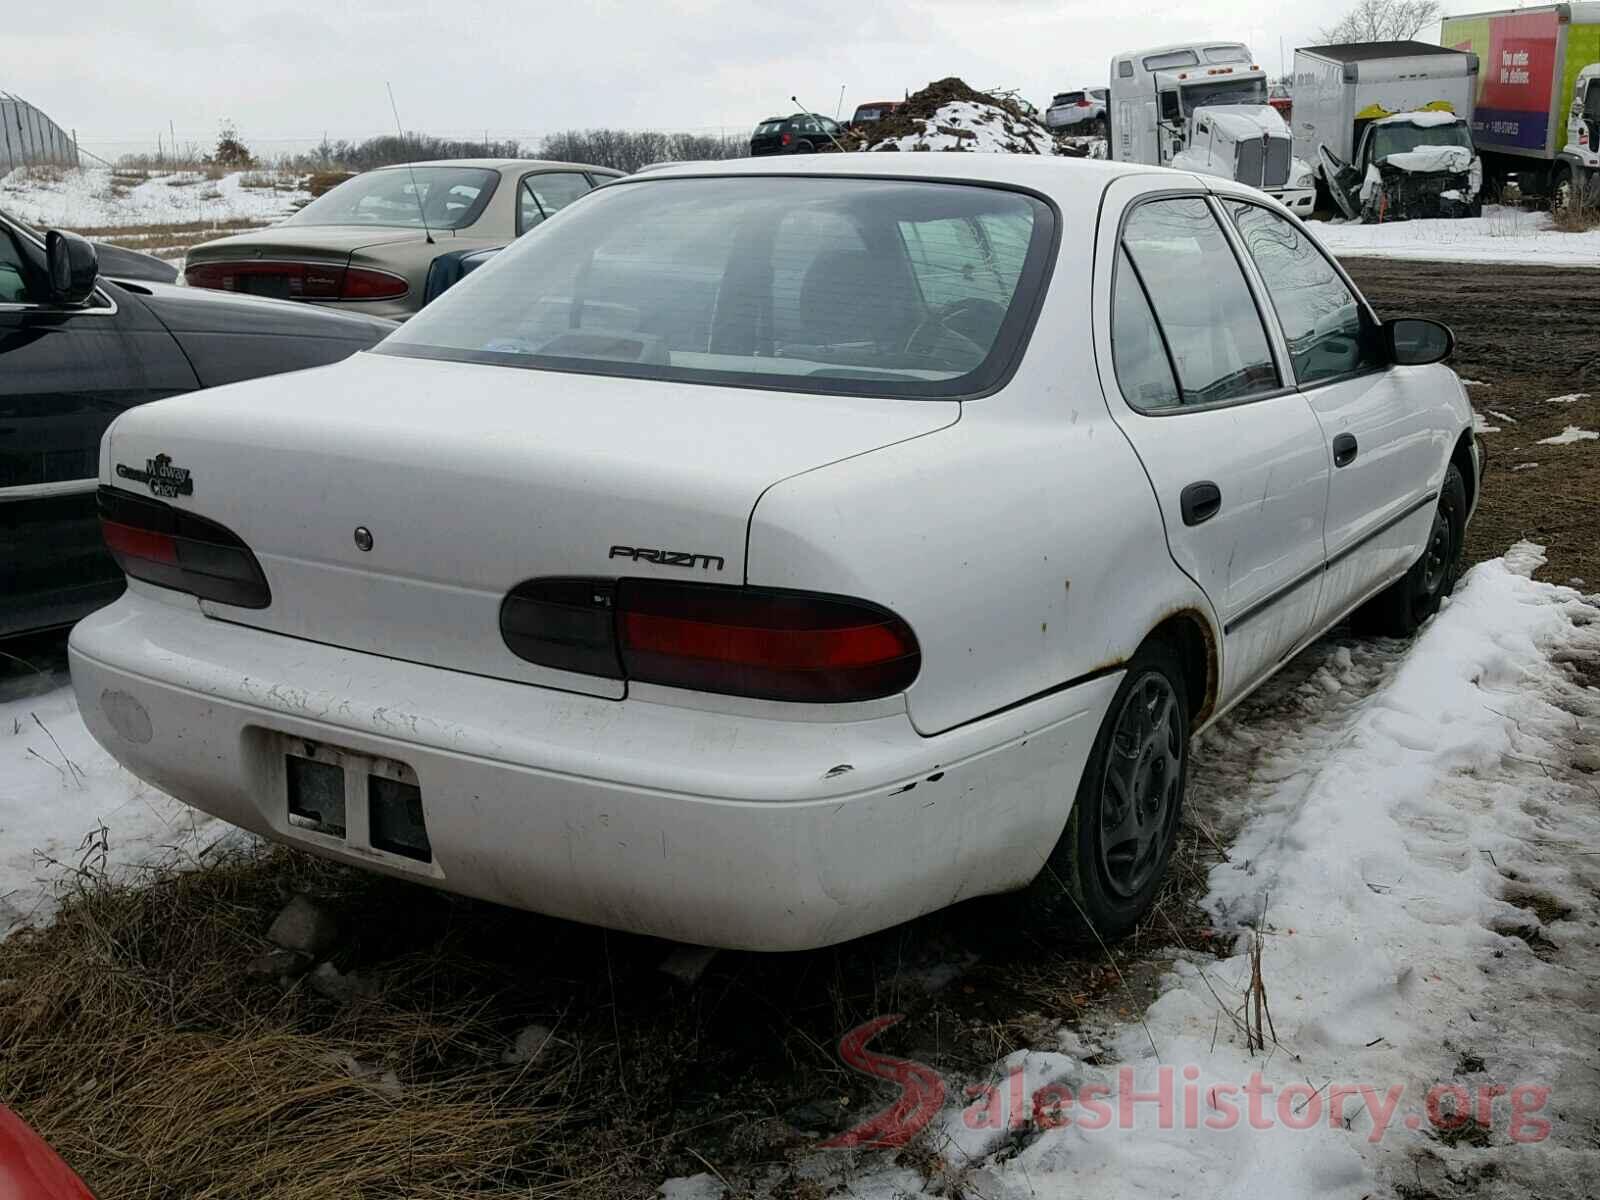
(1047, 173)
(501, 164)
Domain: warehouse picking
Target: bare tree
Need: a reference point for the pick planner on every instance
(1382, 21)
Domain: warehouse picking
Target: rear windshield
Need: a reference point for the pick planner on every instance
(868, 114)
(767, 127)
(853, 286)
(449, 197)
(1067, 98)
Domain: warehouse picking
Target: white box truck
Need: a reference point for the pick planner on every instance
(1202, 106)
(1386, 127)
(1537, 110)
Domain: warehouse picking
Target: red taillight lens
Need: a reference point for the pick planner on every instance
(166, 546)
(787, 138)
(284, 280)
(738, 641)
(1084, 103)
(297, 281)
(363, 283)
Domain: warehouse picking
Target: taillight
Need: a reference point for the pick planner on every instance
(772, 645)
(171, 548)
(787, 138)
(297, 281)
(1084, 103)
(363, 283)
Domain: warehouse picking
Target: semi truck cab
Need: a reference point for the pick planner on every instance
(1203, 107)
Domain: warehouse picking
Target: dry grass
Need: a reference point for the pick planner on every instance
(1579, 216)
(170, 239)
(133, 1038)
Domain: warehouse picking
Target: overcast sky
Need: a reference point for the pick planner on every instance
(118, 71)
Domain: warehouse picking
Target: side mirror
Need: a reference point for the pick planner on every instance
(73, 266)
(1414, 342)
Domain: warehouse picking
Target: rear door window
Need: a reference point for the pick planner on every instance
(542, 196)
(1198, 292)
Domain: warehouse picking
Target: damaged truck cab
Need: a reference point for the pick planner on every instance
(1408, 166)
(1203, 107)
(1387, 128)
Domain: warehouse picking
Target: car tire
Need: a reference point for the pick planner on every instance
(1406, 604)
(804, 148)
(1107, 868)
(1098, 128)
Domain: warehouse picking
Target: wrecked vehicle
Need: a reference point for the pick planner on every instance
(1204, 107)
(1341, 90)
(1408, 166)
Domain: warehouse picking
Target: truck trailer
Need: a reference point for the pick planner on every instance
(1536, 115)
(1202, 106)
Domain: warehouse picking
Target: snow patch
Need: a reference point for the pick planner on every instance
(1422, 119)
(1454, 159)
(91, 196)
(963, 125)
(1500, 235)
(66, 803)
(1479, 425)
(1569, 435)
(1569, 398)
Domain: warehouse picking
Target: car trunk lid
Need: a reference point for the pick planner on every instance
(470, 479)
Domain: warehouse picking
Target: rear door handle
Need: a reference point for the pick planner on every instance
(1200, 502)
(1344, 449)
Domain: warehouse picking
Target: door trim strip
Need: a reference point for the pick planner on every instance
(1266, 602)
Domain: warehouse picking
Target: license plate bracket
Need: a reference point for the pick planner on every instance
(368, 803)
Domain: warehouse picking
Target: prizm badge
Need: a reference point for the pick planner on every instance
(668, 558)
(161, 476)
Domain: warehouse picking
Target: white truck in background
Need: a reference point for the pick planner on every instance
(1202, 106)
(1387, 128)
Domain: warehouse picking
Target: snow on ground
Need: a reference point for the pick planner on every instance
(982, 128)
(91, 197)
(1569, 435)
(1413, 848)
(1569, 398)
(65, 806)
(1501, 235)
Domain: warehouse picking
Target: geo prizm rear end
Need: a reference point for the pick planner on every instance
(759, 555)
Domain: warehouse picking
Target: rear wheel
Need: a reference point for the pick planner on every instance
(1402, 608)
(804, 147)
(1105, 871)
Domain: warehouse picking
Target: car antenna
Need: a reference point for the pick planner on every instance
(809, 113)
(411, 168)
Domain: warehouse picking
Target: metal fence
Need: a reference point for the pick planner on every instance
(28, 137)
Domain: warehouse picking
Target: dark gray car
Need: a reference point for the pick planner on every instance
(76, 349)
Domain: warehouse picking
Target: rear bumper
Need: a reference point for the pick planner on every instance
(715, 828)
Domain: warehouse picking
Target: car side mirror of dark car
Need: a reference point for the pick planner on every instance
(1415, 342)
(73, 266)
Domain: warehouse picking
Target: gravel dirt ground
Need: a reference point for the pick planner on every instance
(1519, 335)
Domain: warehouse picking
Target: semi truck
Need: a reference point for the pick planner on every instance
(1202, 106)
(1385, 126)
(1536, 114)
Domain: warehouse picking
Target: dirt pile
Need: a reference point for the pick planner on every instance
(949, 115)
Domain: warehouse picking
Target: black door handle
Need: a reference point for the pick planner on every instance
(1344, 449)
(1200, 502)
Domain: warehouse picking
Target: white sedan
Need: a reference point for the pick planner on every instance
(760, 554)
